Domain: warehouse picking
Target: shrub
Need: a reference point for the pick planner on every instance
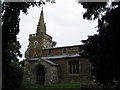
(15, 75)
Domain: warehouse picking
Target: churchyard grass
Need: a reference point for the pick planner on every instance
(58, 86)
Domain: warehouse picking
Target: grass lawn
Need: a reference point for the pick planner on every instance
(64, 85)
(58, 86)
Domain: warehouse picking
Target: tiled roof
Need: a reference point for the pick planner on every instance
(52, 63)
(62, 47)
(48, 61)
(33, 59)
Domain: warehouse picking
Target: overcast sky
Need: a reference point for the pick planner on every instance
(64, 22)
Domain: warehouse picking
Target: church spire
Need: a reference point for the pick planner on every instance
(41, 28)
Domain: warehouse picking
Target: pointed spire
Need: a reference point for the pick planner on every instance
(41, 28)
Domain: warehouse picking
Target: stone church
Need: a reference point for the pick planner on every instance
(46, 64)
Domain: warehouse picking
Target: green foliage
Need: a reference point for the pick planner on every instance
(10, 25)
(102, 48)
(22, 62)
(15, 75)
(93, 9)
(10, 29)
(25, 84)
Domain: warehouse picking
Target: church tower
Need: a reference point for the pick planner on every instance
(39, 40)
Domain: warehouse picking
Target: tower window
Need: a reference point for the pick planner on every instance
(73, 67)
(49, 52)
(35, 44)
(64, 51)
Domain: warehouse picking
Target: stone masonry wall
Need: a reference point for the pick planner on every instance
(59, 51)
(64, 75)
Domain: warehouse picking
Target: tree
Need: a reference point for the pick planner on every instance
(102, 48)
(10, 45)
(15, 75)
(10, 28)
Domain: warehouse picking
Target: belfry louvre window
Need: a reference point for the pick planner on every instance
(64, 51)
(49, 52)
(73, 67)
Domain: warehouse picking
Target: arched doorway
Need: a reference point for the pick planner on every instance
(40, 75)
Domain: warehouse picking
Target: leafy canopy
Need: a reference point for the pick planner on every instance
(102, 48)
